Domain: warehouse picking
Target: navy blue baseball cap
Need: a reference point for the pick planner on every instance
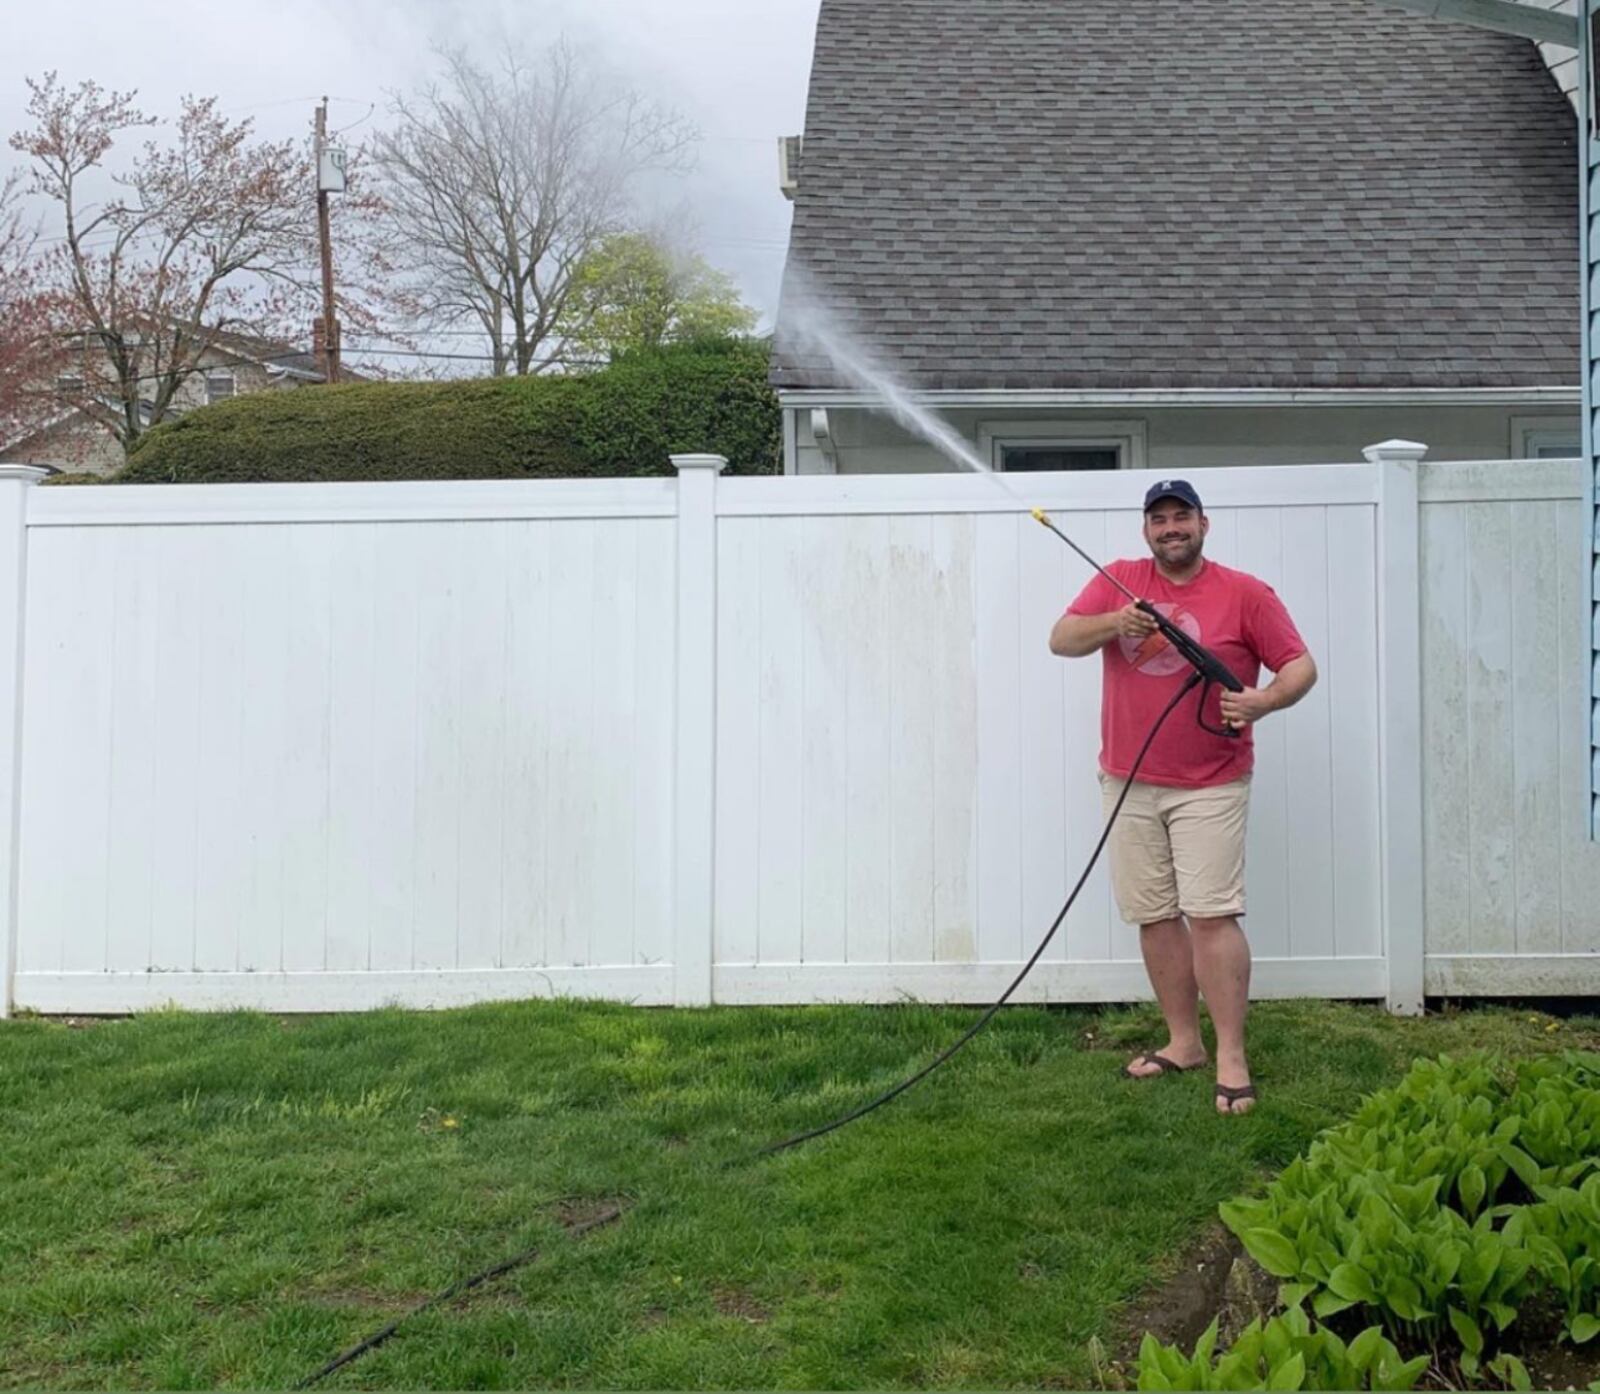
(1180, 489)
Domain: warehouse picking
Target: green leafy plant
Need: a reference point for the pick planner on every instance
(1561, 1232)
(1445, 1205)
(1289, 1352)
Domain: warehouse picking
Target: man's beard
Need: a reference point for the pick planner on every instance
(1179, 555)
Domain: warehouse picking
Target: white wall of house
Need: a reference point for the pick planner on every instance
(1179, 438)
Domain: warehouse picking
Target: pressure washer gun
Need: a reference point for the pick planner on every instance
(1208, 668)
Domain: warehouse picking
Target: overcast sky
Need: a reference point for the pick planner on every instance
(737, 68)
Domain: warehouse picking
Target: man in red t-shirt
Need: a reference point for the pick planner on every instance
(1177, 852)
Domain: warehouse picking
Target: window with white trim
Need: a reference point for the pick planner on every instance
(1546, 438)
(219, 387)
(1062, 445)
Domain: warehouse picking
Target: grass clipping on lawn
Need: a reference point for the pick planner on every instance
(230, 1200)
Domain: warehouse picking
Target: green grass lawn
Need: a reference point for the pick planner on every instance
(192, 1200)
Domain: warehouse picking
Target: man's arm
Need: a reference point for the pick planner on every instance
(1297, 677)
(1076, 636)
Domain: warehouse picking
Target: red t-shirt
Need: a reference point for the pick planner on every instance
(1237, 617)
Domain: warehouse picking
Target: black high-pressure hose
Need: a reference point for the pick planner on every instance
(1016, 982)
(1208, 668)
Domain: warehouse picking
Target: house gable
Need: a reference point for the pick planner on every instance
(1092, 194)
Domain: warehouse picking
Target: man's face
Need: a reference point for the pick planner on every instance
(1176, 533)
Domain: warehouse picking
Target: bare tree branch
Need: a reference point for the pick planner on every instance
(499, 183)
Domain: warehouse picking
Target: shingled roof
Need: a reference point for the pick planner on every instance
(1105, 194)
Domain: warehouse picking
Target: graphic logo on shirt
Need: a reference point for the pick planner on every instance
(1154, 656)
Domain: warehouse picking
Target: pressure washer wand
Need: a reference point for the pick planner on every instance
(1206, 663)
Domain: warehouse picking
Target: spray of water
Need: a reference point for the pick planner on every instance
(811, 329)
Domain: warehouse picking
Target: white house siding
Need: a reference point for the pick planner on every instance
(1201, 437)
(1562, 61)
(1512, 881)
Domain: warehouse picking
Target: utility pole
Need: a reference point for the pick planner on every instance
(330, 178)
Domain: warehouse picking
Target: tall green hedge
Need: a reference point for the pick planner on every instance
(625, 419)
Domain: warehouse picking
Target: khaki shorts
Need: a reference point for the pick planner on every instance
(1177, 850)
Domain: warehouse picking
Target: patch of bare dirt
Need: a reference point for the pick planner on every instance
(736, 1302)
(365, 1299)
(1215, 1278)
(585, 1212)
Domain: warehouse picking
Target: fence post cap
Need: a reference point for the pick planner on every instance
(1395, 450)
(28, 474)
(699, 462)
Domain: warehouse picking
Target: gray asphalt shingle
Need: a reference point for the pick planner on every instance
(1205, 193)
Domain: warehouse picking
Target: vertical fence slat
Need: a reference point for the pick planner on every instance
(1400, 721)
(1491, 870)
(481, 700)
(780, 851)
(869, 703)
(1043, 721)
(999, 741)
(15, 483)
(823, 738)
(1447, 807)
(131, 778)
(1269, 901)
(354, 699)
(399, 578)
(1536, 679)
(955, 774)
(219, 851)
(1351, 679)
(695, 737)
(653, 744)
(738, 788)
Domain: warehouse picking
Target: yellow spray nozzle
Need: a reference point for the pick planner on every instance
(1038, 513)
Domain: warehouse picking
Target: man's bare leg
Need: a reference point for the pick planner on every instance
(1169, 960)
(1222, 968)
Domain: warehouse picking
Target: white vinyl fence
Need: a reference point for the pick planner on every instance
(1513, 880)
(677, 741)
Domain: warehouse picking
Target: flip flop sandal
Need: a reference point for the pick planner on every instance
(1232, 1093)
(1162, 1064)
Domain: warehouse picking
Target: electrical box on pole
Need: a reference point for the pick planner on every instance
(330, 170)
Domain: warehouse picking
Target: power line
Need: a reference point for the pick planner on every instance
(299, 353)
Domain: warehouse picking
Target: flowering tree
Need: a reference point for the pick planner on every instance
(209, 234)
(23, 314)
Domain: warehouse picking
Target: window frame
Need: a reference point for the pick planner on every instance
(1127, 436)
(1530, 434)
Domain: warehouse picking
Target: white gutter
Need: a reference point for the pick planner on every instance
(1554, 397)
(1503, 16)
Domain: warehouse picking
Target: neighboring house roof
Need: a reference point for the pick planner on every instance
(1147, 194)
(278, 357)
(279, 360)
